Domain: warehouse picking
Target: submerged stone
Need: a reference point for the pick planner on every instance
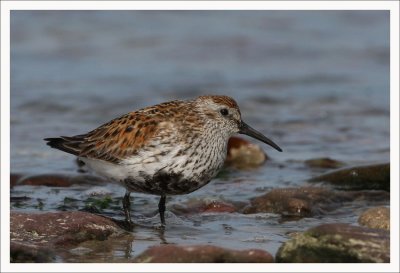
(324, 162)
(202, 254)
(337, 243)
(369, 177)
(378, 217)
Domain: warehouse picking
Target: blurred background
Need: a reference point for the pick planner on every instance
(316, 82)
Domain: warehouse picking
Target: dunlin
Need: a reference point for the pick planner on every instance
(171, 148)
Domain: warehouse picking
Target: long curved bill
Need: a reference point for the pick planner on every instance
(247, 130)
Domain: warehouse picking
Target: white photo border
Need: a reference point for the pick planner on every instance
(8, 6)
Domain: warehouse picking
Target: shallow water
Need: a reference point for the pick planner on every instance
(317, 83)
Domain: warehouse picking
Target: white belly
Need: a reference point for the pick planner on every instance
(145, 162)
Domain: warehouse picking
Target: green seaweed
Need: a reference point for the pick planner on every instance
(99, 203)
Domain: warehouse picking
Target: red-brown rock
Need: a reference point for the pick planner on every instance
(307, 201)
(219, 207)
(202, 254)
(302, 202)
(58, 180)
(204, 206)
(59, 228)
(14, 177)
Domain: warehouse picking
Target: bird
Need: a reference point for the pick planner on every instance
(172, 148)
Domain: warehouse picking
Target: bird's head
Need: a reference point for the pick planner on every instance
(223, 112)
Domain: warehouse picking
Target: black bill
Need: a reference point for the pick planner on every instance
(247, 130)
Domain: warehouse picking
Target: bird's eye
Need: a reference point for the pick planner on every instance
(224, 111)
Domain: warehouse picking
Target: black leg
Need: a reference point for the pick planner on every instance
(127, 207)
(161, 209)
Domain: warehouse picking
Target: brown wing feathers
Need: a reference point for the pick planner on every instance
(112, 141)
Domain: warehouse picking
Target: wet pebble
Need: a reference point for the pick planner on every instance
(324, 162)
(378, 217)
(202, 254)
(369, 177)
(58, 180)
(243, 154)
(337, 243)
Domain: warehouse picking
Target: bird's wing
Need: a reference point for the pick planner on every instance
(118, 139)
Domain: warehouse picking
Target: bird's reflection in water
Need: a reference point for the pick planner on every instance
(129, 248)
(161, 234)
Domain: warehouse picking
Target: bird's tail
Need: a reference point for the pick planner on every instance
(67, 144)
